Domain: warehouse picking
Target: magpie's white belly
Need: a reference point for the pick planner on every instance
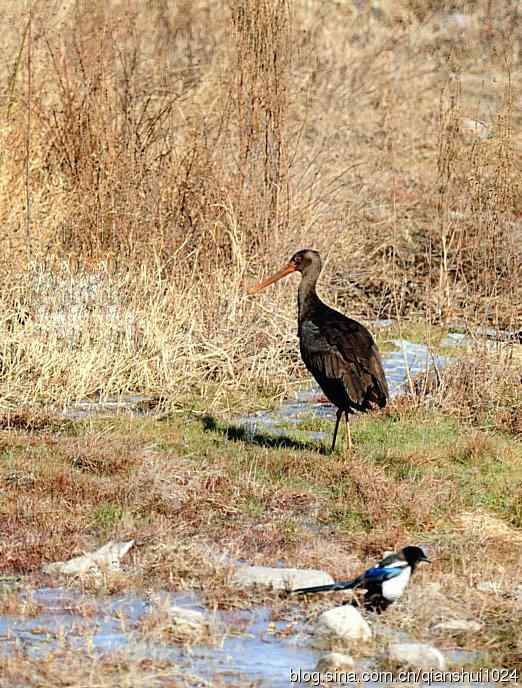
(392, 589)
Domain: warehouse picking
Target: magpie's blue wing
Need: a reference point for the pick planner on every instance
(379, 574)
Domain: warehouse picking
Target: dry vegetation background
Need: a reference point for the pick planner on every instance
(157, 156)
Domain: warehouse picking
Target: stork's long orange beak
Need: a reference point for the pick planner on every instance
(274, 278)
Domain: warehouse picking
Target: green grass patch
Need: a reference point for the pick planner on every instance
(107, 516)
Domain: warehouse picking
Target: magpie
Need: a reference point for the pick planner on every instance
(384, 583)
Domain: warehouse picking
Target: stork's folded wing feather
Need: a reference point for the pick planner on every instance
(340, 348)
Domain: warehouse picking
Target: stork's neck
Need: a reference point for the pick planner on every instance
(307, 298)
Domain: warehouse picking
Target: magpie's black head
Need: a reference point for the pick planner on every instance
(413, 555)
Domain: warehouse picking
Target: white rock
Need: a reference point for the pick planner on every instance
(280, 579)
(103, 560)
(334, 661)
(416, 655)
(458, 626)
(340, 625)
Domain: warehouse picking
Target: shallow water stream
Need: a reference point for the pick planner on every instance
(248, 646)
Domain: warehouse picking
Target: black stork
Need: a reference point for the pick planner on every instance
(339, 352)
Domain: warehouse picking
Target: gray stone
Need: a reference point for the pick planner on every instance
(415, 655)
(340, 626)
(279, 578)
(334, 661)
(104, 560)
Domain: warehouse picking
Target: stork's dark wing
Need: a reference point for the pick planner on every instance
(336, 347)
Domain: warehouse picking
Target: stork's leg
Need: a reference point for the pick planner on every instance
(348, 431)
(339, 414)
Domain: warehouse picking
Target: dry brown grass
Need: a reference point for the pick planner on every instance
(70, 668)
(156, 158)
(482, 387)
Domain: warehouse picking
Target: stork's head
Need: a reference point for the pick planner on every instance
(302, 261)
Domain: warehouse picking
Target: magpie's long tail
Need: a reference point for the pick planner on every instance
(340, 585)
